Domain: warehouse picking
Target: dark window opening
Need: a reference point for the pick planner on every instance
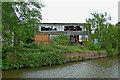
(72, 28)
(48, 29)
(74, 39)
(79, 28)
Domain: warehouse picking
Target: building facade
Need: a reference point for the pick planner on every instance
(75, 31)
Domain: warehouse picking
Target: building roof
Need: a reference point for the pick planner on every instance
(61, 24)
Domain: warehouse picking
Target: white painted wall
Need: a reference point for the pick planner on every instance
(85, 37)
(39, 28)
(59, 28)
(80, 38)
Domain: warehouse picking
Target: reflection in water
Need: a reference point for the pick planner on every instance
(97, 68)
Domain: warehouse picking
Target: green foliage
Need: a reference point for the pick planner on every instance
(97, 46)
(79, 58)
(78, 45)
(29, 59)
(106, 33)
(36, 55)
(84, 58)
(19, 20)
(93, 46)
(73, 58)
(109, 37)
(84, 43)
(110, 52)
(31, 45)
(61, 40)
(90, 45)
(97, 22)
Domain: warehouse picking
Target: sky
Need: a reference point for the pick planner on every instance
(119, 11)
(76, 11)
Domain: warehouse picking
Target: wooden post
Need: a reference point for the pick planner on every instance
(76, 39)
(86, 42)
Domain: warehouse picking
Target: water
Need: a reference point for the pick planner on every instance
(97, 68)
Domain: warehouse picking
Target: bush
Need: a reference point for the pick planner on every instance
(84, 43)
(35, 55)
(106, 45)
(110, 52)
(84, 58)
(31, 45)
(93, 46)
(73, 58)
(97, 46)
(77, 45)
(61, 40)
(90, 45)
(24, 59)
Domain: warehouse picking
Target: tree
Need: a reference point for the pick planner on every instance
(109, 38)
(104, 31)
(97, 23)
(19, 19)
(8, 22)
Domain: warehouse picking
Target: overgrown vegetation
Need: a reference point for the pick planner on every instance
(36, 55)
(61, 40)
(103, 30)
(92, 46)
(19, 20)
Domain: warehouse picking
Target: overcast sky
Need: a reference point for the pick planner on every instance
(76, 11)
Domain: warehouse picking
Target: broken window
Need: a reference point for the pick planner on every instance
(72, 28)
(48, 29)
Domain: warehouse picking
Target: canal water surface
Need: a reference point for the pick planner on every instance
(96, 68)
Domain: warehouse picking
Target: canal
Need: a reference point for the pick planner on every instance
(96, 68)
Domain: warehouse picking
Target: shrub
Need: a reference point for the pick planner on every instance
(90, 45)
(97, 46)
(84, 58)
(31, 45)
(61, 40)
(106, 45)
(24, 59)
(93, 46)
(110, 52)
(84, 42)
(77, 45)
(79, 58)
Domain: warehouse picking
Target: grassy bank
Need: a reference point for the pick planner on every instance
(37, 55)
(33, 55)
